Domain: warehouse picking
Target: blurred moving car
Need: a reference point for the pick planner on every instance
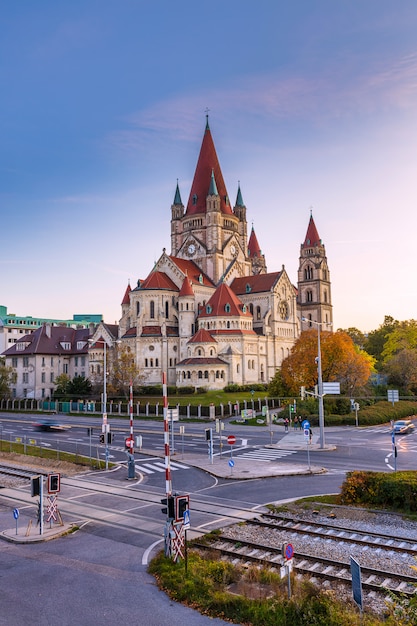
(48, 425)
(403, 427)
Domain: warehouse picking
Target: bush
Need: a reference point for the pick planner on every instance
(396, 491)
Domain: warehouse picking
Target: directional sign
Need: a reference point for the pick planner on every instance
(231, 463)
(231, 440)
(15, 513)
(186, 522)
(305, 424)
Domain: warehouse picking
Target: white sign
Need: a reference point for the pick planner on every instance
(186, 523)
(331, 388)
(173, 415)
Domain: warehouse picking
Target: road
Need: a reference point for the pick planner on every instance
(99, 572)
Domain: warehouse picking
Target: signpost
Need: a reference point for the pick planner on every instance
(306, 427)
(355, 570)
(16, 516)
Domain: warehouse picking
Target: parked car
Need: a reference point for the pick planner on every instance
(48, 425)
(403, 427)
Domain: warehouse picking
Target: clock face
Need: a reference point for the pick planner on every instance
(233, 249)
(283, 310)
(191, 248)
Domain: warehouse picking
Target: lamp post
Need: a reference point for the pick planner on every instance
(320, 378)
(105, 428)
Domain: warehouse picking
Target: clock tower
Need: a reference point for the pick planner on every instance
(209, 231)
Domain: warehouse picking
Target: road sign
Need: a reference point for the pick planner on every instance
(129, 442)
(305, 424)
(289, 551)
(355, 570)
(15, 513)
(231, 463)
(307, 433)
(186, 523)
(231, 439)
(331, 388)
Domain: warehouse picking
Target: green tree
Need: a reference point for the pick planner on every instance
(357, 336)
(61, 386)
(79, 387)
(8, 377)
(401, 370)
(402, 337)
(375, 341)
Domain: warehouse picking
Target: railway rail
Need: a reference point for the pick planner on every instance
(313, 566)
(297, 525)
(7, 470)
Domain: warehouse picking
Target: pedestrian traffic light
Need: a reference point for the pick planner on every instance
(169, 507)
(182, 503)
(35, 486)
(54, 483)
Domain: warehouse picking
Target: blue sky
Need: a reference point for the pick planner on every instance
(312, 104)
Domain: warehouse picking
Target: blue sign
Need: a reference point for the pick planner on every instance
(305, 424)
(15, 513)
(231, 463)
(186, 521)
(289, 552)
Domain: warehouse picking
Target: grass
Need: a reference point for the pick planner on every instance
(48, 453)
(253, 596)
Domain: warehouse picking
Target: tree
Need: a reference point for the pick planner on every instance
(357, 336)
(402, 337)
(79, 387)
(8, 377)
(342, 361)
(375, 341)
(61, 386)
(401, 370)
(122, 371)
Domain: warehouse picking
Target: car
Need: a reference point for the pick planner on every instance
(49, 425)
(403, 427)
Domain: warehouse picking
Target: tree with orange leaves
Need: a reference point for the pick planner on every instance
(341, 360)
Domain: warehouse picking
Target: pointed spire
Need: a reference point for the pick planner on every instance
(253, 245)
(177, 198)
(186, 289)
(239, 199)
(213, 187)
(126, 299)
(312, 236)
(207, 165)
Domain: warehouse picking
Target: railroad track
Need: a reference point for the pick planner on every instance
(7, 470)
(315, 567)
(334, 531)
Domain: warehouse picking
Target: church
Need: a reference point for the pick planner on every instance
(209, 314)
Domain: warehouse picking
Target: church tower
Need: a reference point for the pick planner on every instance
(209, 232)
(255, 253)
(314, 294)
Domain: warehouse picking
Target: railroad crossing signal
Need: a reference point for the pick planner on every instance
(54, 483)
(169, 507)
(182, 504)
(35, 486)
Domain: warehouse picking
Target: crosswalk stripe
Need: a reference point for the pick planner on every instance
(266, 455)
(150, 468)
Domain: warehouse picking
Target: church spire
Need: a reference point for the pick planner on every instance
(177, 198)
(312, 236)
(213, 187)
(239, 199)
(207, 165)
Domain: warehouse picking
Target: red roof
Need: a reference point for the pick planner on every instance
(255, 284)
(207, 164)
(253, 245)
(203, 360)
(223, 303)
(158, 280)
(126, 299)
(202, 336)
(156, 331)
(193, 272)
(312, 236)
(186, 289)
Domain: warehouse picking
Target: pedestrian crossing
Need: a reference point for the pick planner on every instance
(159, 466)
(266, 454)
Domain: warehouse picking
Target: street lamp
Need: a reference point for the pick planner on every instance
(320, 377)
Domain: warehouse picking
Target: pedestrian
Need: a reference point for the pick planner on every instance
(295, 423)
(286, 424)
(310, 434)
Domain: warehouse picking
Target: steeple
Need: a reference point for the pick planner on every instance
(314, 286)
(239, 199)
(177, 198)
(255, 254)
(213, 187)
(207, 167)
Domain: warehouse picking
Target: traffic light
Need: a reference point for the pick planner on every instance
(169, 507)
(209, 434)
(110, 437)
(54, 483)
(182, 503)
(303, 393)
(102, 438)
(35, 486)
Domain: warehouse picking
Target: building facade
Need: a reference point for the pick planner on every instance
(209, 313)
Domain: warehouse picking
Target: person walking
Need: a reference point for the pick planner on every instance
(286, 422)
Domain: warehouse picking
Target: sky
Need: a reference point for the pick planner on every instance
(312, 107)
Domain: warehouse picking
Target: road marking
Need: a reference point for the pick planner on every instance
(150, 468)
(265, 454)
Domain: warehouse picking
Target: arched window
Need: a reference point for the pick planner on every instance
(152, 309)
(251, 308)
(309, 296)
(238, 368)
(227, 308)
(308, 272)
(206, 374)
(137, 308)
(200, 374)
(325, 295)
(258, 312)
(166, 309)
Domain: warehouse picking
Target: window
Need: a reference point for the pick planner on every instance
(200, 374)
(146, 362)
(14, 361)
(43, 361)
(309, 295)
(25, 361)
(166, 310)
(156, 363)
(65, 368)
(258, 312)
(52, 361)
(227, 308)
(43, 377)
(248, 288)
(206, 374)
(208, 309)
(152, 309)
(76, 361)
(137, 308)
(52, 377)
(25, 377)
(83, 361)
(194, 199)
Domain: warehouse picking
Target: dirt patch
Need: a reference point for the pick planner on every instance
(35, 463)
